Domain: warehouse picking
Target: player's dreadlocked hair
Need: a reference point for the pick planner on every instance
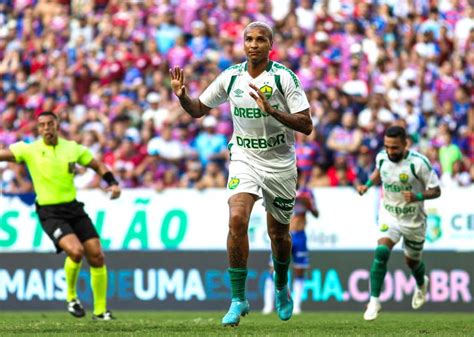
(259, 24)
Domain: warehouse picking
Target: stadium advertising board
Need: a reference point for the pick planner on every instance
(197, 220)
(175, 280)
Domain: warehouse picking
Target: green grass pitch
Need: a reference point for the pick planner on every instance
(202, 324)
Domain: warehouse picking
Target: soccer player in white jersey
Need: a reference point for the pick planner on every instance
(268, 104)
(407, 180)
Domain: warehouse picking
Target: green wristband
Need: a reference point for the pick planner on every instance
(369, 183)
(419, 196)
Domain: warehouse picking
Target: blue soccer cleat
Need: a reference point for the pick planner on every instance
(237, 308)
(283, 304)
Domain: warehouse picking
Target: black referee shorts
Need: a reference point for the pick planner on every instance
(63, 219)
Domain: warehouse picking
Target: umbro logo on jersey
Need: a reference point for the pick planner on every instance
(238, 93)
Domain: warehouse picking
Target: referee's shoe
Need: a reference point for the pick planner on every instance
(75, 308)
(106, 316)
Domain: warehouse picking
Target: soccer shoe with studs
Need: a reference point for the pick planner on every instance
(237, 308)
(75, 308)
(106, 316)
(419, 297)
(372, 311)
(283, 304)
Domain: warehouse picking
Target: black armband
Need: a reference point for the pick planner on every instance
(109, 178)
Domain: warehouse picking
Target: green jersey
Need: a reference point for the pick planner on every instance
(52, 168)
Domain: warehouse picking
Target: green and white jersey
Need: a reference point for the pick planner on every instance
(259, 139)
(413, 173)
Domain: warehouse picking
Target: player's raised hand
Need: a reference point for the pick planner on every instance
(177, 81)
(361, 189)
(260, 98)
(115, 191)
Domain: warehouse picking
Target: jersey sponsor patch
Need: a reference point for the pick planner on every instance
(396, 188)
(396, 210)
(261, 143)
(251, 113)
(284, 204)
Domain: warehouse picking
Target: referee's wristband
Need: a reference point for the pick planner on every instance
(419, 196)
(109, 178)
(369, 183)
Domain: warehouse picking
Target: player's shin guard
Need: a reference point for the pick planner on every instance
(298, 293)
(238, 278)
(419, 273)
(71, 269)
(99, 289)
(281, 273)
(378, 270)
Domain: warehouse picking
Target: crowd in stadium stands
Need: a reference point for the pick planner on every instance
(102, 66)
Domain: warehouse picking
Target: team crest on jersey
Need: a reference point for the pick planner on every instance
(238, 93)
(383, 227)
(267, 91)
(403, 177)
(233, 183)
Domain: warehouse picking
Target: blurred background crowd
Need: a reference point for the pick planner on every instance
(103, 65)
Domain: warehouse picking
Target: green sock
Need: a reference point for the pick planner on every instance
(238, 277)
(99, 289)
(419, 273)
(71, 269)
(281, 273)
(378, 270)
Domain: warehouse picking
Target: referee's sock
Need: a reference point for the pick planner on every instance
(99, 289)
(71, 269)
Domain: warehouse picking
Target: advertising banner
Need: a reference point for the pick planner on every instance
(176, 280)
(180, 219)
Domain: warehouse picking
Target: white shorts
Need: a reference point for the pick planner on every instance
(278, 190)
(413, 237)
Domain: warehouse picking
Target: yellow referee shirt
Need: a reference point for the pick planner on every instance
(52, 168)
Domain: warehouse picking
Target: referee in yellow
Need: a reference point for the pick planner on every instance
(51, 161)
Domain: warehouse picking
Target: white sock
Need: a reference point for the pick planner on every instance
(269, 294)
(298, 285)
(374, 299)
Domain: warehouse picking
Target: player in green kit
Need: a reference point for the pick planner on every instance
(51, 161)
(407, 179)
(268, 104)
